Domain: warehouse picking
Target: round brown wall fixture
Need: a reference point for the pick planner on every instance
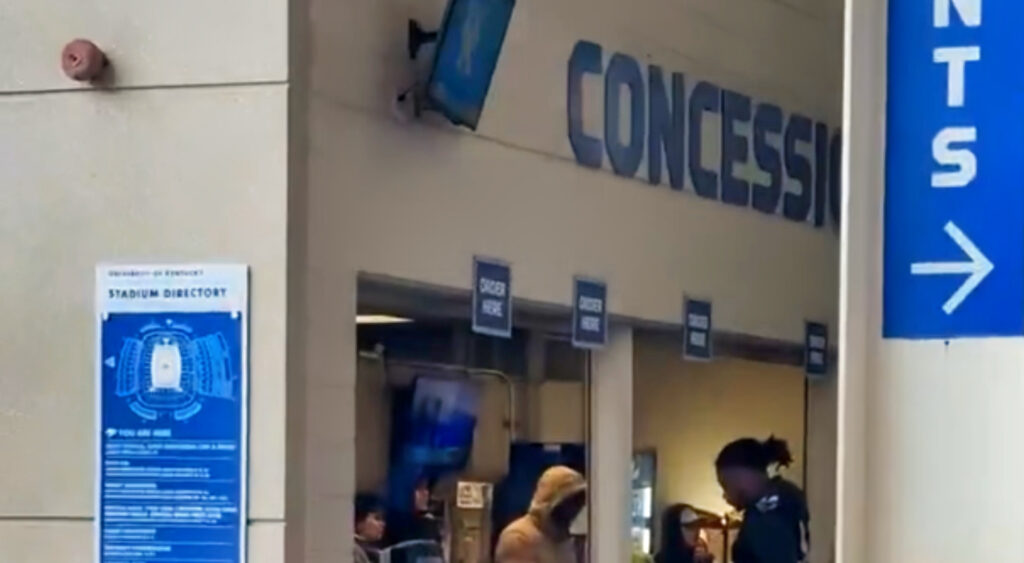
(83, 61)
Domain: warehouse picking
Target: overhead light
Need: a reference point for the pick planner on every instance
(380, 320)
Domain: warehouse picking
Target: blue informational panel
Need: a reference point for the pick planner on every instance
(492, 297)
(468, 46)
(816, 349)
(171, 413)
(697, 330)
(954, 203)
(589, 313)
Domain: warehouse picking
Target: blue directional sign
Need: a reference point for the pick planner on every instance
(696, 329)
(589, 313)
(468, 46)
(815, 349)
(954, 178)
(172, 413)
(492, 298)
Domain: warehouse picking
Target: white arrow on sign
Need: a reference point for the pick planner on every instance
(978, 268)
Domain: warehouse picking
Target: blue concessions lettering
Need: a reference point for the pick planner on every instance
(777, 163)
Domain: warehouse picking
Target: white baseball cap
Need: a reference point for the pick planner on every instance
(688, 516)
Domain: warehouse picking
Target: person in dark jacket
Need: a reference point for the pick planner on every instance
(369, 528)
(775, 515)
(420, 523)
(680, 537)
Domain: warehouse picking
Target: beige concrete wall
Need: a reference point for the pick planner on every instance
(611, 449)
(422, 198)
(820, 457)
(925, 424)
(182, 158)
(860, 293)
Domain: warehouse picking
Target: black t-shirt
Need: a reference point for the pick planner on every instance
(407, 527)
(775, 528)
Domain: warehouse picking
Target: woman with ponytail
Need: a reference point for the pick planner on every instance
(775, 515)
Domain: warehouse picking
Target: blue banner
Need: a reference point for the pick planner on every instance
(589, 313)
(172, 414)
(697, 330)
(816, 349)
(492, 298)
(954, 206)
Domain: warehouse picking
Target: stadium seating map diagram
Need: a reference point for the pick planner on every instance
(168, 370)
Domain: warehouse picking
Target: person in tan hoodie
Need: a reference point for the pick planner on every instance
(542, 535)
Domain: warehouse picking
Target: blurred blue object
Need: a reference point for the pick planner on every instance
(468, 47)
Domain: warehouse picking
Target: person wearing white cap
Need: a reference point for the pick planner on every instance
(680, 537)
